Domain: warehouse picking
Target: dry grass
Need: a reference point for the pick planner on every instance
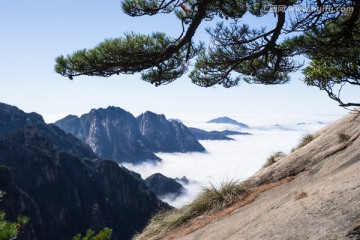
(211, 204)
(210, 200)
(274, 158)
(306, 139)
(199, 222)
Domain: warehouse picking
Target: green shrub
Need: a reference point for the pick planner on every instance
(10, 230)
(104, 234)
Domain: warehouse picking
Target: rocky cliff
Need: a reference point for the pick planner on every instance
(112, 133)
(64, 194)
(116, 134)
(162, 135)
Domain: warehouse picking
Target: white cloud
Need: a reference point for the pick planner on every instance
(229, 160)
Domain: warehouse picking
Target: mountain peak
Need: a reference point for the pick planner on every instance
(13, 120)
(111, 132)
(162, 135)
(228, 120)
(8, 108)
(162, 185)
(108, 111)
(70, 117)
(149, 114)
(116, 134)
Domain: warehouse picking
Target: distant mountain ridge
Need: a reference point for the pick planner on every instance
(228, 120)
(200, 134)
(116, 134)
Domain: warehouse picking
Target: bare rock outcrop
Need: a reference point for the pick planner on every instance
(322, 202)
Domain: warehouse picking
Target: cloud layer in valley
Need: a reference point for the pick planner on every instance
(231, 160)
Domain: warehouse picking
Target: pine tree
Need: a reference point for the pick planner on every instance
(325, 31)
(104, 234)
(10, 230)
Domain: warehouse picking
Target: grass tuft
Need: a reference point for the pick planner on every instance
(274, 158)
(210, 200)
(306, 139)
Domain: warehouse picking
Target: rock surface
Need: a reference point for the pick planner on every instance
(322, 202)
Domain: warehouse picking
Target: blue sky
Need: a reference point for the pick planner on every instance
(33, 33)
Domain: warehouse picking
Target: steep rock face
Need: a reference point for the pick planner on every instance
(67, 195)
(111, 133)
(162, 185)
(12, 118)
(162, 135)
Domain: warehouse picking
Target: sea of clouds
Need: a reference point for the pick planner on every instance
(232, 160)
